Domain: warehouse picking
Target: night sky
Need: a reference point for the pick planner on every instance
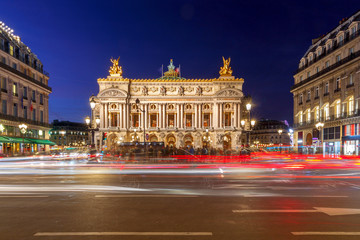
(265, 40)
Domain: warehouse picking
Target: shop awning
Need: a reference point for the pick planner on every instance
(18, 140)
(4, 140)
(42, 141)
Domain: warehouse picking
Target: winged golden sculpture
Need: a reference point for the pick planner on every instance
(226, 69)
(115, 69)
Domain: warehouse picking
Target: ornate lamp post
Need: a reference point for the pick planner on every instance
(280, 132)
(320, 127)
(252, 124)
(23, 128)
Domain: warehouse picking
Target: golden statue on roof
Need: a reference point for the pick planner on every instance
(171, 70)
(115, 69)
(226, 69)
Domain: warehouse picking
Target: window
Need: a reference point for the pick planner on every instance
(300, 99)
(11, 50)
(341, 40)
(206, 120)
(337, 84)
(308, 116)
(14, 65)
(227, 119)
(4, 107)
(308, 96)
(326, 112)
(311, 58)
(308, 74)
(25, 112)
(300, 117)
(353, 31)
(317, 69)
(171, 119)
(301, 78)
(317, 114)
(34, 115)
(316, 92)
(338, 58)
(351, 51)
(327, 64)
(328, 46)
(15, 110)
(3, 84)
(327, 88)
(41, 99)
(338, 109)
(33, 98)
(319, 52)
(153, 120)
(15, 92)
(351, 106)
(135, 120)
(188, 120)
(25, 93)
(41, 116)
(351, 80)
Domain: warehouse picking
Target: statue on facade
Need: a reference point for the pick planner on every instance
(226, 69)
(115, 68)
(198, 91)
(145, 91)
(181, 91)
(163, 91)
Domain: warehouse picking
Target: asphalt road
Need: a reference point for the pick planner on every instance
(105, 203)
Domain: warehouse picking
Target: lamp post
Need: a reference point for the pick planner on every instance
(252, 124)
(23, 128)
(137, 102)
(280, 132)
(320, 127)
(89, 123)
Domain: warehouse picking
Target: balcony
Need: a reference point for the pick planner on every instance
(350, 85)
(328, 69)
(4, 90)
(326, 94)
(317, 97)
(23, 120)
(337, 90)
(308, 100)
(300, 103)
(10, 69)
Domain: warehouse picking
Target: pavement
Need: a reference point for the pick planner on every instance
(45, 201)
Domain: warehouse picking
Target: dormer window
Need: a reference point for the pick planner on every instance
(341, 39)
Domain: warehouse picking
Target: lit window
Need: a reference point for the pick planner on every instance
(351, 106)
(300, 117)
(317, 114)
(326, 112)
(338, 109)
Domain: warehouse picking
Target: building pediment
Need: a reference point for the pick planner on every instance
(112, 93)
(229, 92)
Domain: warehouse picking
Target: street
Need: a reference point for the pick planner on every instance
(80, 202)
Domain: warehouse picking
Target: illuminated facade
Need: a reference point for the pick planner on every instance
(178, 111)
(24, 97)
(326, 91)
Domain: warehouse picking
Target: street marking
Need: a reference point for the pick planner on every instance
(297, 196)
(327, 233)
(144, 196)
(328, 211)
(123, 234)
(274, 211)
(23, 196)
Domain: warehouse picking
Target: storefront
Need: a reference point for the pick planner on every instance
(332, 141)
(13, 145)
(351, 139)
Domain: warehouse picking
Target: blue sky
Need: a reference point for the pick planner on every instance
(265, 40)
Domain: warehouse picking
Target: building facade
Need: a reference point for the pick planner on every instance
(326, 92)
(178, 111)
(24, 97)
(266, 134)
(69, 134)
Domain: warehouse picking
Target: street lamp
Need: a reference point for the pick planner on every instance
(137, 102)
(319, 127)
(280, 132)
(23, 128)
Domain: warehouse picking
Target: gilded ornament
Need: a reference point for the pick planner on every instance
(115, 69)
(226, 69)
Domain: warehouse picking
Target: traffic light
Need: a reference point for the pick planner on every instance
(104, 136)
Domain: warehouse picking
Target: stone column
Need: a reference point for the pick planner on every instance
(196, 116)
(215, 113)
(106, 116)
(236, 115)
(181, 116)
(120, 116)
(101, 116)
(159, 123)
(221, 115)
(201, 121)
(164, 116)
(178, 115)
(146, 116)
